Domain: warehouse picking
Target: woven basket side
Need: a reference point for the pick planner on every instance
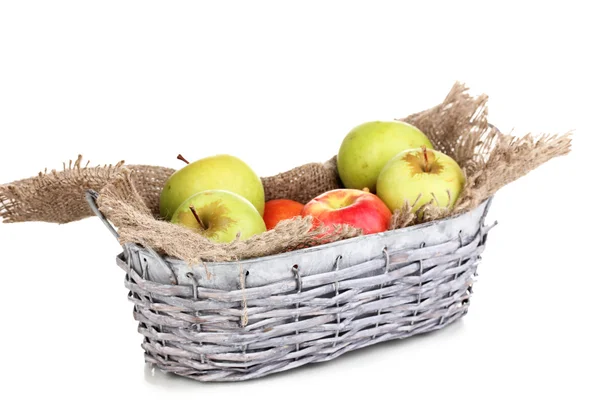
(209, 334)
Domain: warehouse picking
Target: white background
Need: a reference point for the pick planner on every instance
(280, 84)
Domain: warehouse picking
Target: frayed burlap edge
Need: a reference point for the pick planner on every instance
(489, 159)
(55, 196)
(121, 203)
(130, 194)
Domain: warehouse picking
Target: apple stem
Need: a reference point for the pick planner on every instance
(193, 210)
(426, 158)
(180, 157)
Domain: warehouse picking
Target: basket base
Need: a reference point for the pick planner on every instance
(174, 367)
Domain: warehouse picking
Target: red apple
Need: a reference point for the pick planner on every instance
(357, 208)
(280, 209)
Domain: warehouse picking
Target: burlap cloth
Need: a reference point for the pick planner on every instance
(129, 194)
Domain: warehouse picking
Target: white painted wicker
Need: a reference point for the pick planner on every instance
(240, 320)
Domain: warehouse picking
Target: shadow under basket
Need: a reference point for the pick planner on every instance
(234, 321)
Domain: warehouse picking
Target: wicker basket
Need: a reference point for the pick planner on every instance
(241, 320)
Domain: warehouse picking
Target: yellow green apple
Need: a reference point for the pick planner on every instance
(420, 176)
(220, 216)
(222, 172)
(368, 147)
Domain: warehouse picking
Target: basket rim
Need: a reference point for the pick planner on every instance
(485, 204)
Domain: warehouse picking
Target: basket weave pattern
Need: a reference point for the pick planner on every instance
(208, 334)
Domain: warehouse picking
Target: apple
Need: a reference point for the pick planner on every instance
(222, 172)
(279, 210)
(368, 147)
(220, 216)
(357, 208)
(420, 176)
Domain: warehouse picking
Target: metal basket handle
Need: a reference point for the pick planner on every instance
(92, 196)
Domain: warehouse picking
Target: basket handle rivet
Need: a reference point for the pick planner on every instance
(296, 271)
(245, 276)
(420, 286)
(337, 303)
(191, 276)
(387, 268)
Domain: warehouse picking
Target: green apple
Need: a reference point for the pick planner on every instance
(368, 147)
(419, 176)
(220, 216)
(222, 172)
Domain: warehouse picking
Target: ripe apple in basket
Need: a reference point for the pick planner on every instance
(420, 176)
(220, 216)
(357, 208)
(281, 209)
(368, 147)
(221, 172)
